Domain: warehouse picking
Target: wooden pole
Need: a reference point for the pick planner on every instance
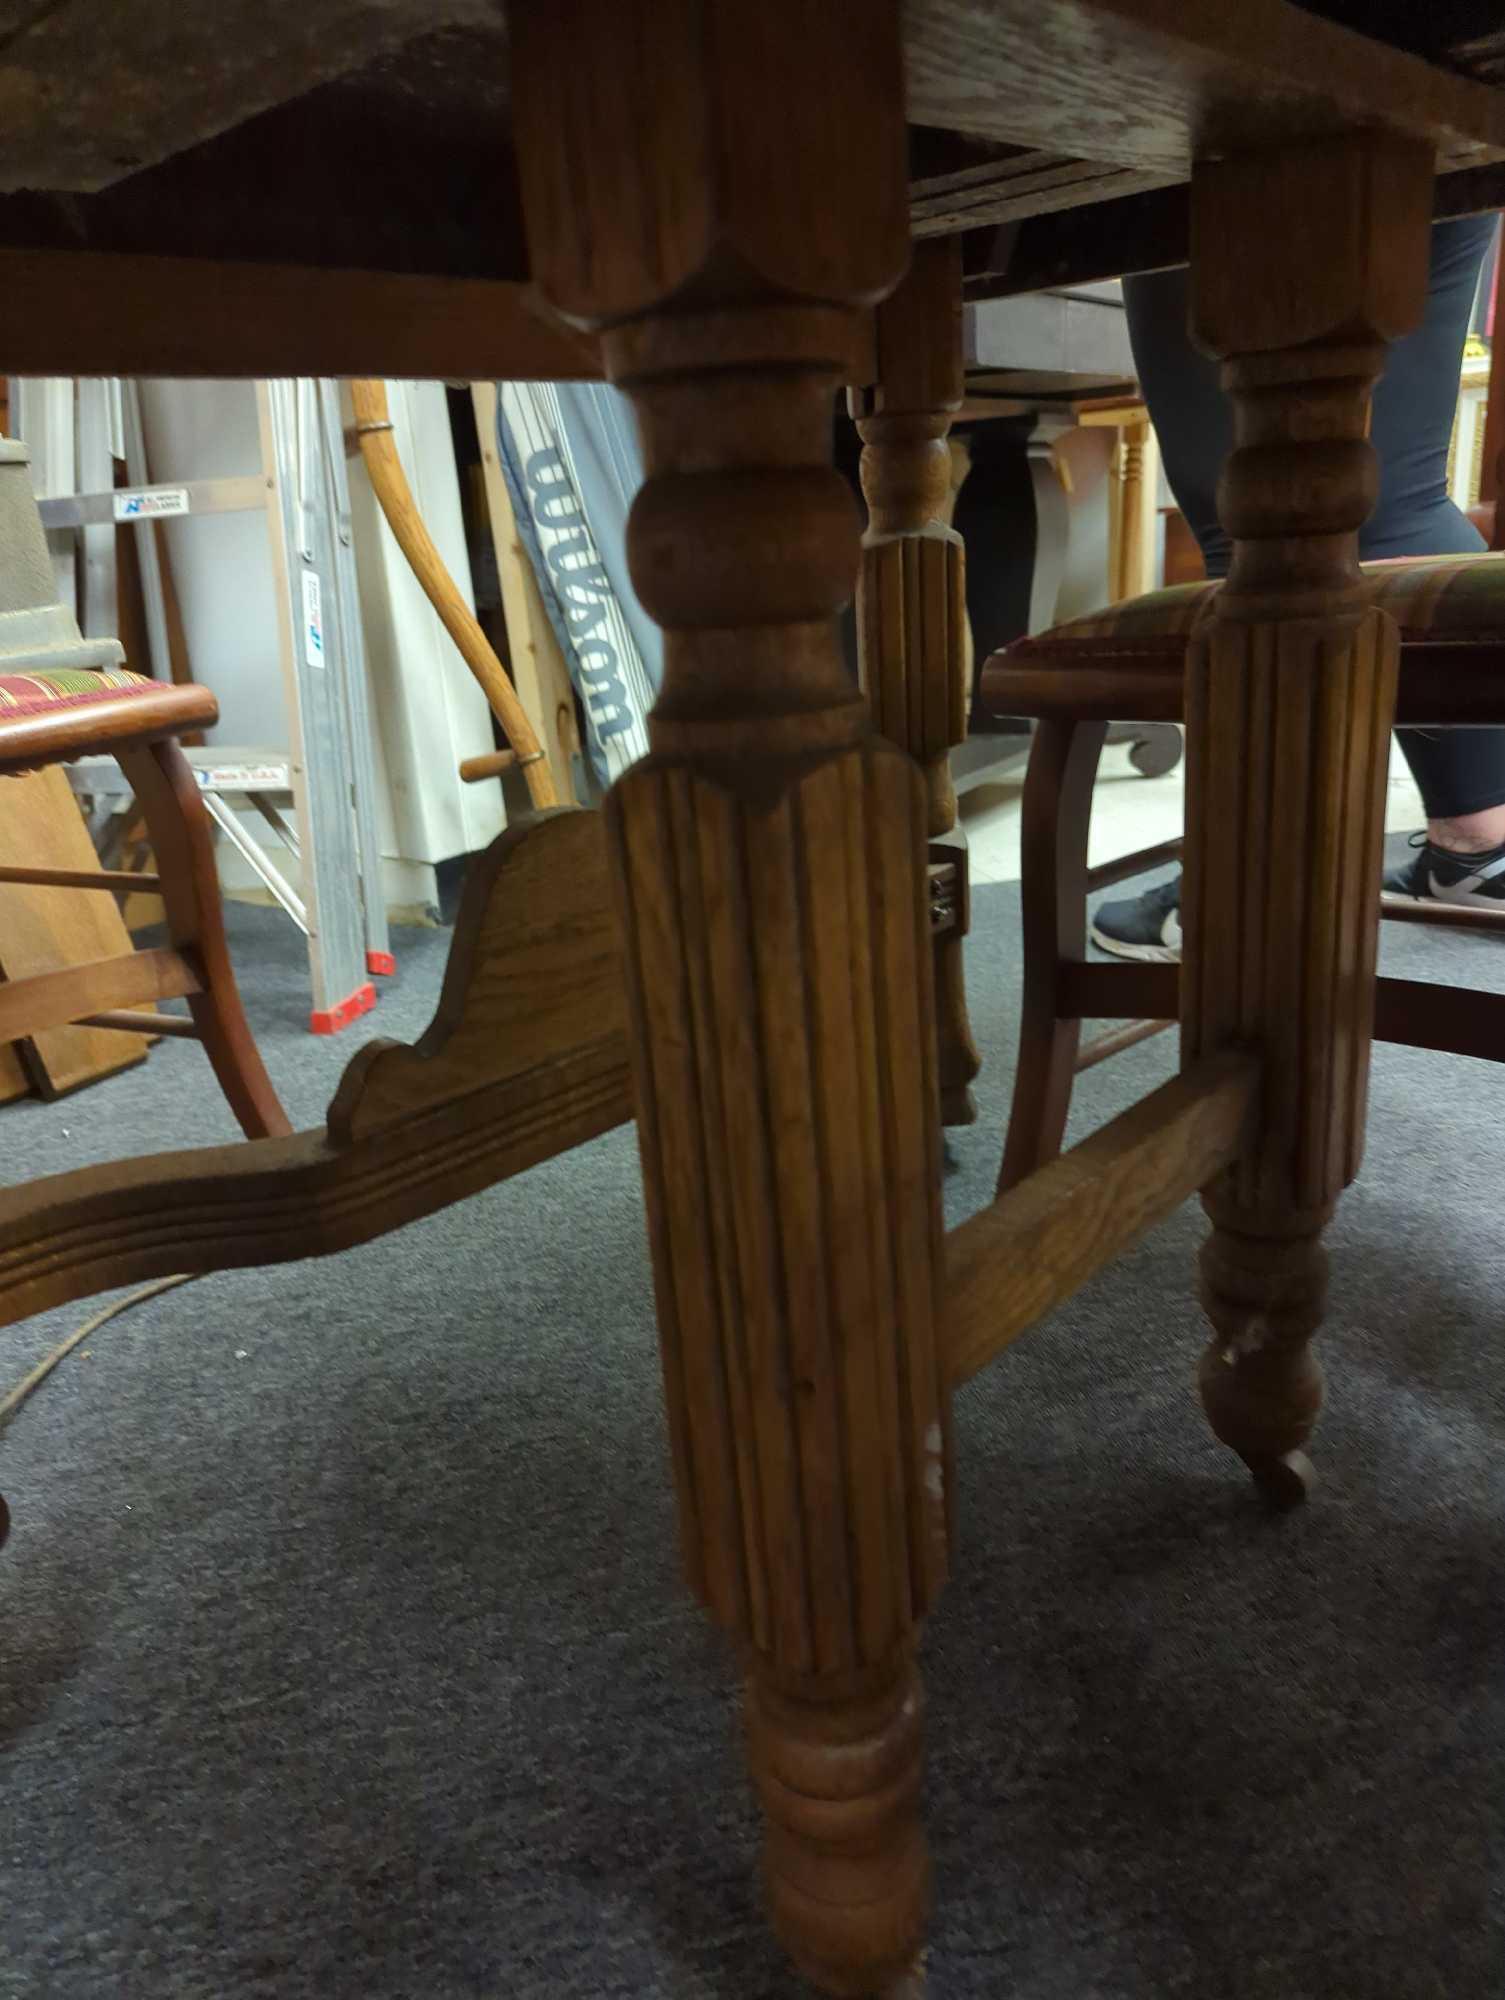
(373, 430)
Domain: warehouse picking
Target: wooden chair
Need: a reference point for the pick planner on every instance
(62, 697)
(1131, 660)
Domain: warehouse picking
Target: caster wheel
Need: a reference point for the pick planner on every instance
(1155, 754)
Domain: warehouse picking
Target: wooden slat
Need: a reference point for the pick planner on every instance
(1126, 691)
(1113, 1044)
(53, 999)
(1457, 1020)
(1446, 685)
(1145, 232)
(1417, 1013)
(1026, 1254)
(1122, 992)
(14, 1082)
(1024, 184)
(75, 312)
(144, 1024)
(80, 878)
(1147, 83)
(1462, 916)
(1139, 863)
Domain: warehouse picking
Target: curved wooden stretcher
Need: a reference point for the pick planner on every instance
(526, 1057)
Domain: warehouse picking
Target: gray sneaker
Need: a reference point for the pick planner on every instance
(1145, 926)
(1438, 875)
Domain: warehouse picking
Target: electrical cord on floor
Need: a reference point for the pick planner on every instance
(14, 1398)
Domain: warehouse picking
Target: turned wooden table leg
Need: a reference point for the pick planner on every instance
(1289, 703)
(911, 601)
(769, 857)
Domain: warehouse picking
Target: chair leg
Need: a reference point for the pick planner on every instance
(174, 811)
(911, 595)
(1290, 696)
(1063, 765)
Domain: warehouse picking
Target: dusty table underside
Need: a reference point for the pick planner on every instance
(375, 134)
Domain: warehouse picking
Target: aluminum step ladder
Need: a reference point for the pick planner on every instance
(327, 778)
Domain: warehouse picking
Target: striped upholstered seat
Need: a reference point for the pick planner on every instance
(1128, 661)
(50, 714)
(49, 688)
(1437, 601)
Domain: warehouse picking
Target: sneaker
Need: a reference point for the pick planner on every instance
(1144, 926)
(1437, 875)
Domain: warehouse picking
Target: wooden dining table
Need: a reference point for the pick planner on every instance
(733, 209)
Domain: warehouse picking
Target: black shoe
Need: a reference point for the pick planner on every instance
(1437, 875)
(1144, 926)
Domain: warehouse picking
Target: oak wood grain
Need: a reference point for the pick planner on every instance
(177, 824)
(1289, 704)
(51, 999)
(42, 929)
(911, 593)
(77, 312)
(1039, 1242)
(1153, 83)
(534, 658)
(534, 976)
(271, 1201)
(771, 883)
(120, 879)
(95, 727)
(1053, 921)
(389, 482)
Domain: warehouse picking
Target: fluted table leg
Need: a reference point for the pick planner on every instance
(770, 868)
(911, 594)
(1289, 704)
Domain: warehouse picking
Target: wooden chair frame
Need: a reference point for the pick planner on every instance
(1062, 987)
(115, 992)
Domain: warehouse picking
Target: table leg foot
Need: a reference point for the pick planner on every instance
(838, 1771)
(1260, 1383)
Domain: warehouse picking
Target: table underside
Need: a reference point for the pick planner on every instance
(375, 135)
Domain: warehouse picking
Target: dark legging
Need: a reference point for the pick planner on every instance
(1456, 770)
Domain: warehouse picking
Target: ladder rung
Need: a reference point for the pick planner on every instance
(163, 502)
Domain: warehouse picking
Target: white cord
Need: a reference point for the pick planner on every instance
(11, 1402)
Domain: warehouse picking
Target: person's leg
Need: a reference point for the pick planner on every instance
(1460, 773)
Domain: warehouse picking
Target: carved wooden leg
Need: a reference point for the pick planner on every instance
(911, 601)
(173, 807)
(1063, 762)
(771, 888)
(1289, 703)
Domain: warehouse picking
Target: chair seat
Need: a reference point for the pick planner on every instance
(50, 714)
(50, 688)
(1450, 611)
(1436, 600)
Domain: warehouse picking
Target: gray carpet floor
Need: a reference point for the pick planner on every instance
(343, 1651)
